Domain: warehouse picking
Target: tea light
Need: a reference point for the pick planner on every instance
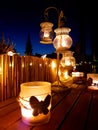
(35, 102)
(78, 77)
(94, 84)
(77, 74)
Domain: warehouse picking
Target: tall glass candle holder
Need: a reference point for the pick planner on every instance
(35, 102)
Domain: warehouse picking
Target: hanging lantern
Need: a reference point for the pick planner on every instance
(35, 102)
(46, 33)
(62, 40)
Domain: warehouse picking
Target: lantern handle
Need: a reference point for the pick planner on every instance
(61, 17)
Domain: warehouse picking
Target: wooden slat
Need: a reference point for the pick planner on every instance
(8, 108)
(9, 113)
(1, 78)
(76, 119)
(7, 102)
(9, 119)
(93, 114)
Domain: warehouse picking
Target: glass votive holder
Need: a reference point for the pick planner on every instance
(35, 102)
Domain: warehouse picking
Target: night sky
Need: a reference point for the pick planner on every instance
(18, 18)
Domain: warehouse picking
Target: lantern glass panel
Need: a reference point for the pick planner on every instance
(62, 40)
(67, 59)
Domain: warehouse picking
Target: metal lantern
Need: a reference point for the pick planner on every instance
(67, 59)
(46, 33)
(62, 40)
(66, 64)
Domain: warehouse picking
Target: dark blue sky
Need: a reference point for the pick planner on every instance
(18, 18)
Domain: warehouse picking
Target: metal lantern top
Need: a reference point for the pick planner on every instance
(46, 33)
(46, 26)
(62, 30)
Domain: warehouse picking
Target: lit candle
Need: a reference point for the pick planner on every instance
(77, 74)
(78, 77)
(94, 79)
(35, 102)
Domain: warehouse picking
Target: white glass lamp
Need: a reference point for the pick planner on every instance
(62, 40)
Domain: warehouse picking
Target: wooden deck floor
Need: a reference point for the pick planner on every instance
(73, 109)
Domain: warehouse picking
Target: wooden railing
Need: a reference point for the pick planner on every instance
(17, 69)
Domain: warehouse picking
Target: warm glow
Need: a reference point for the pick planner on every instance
(95, 81)
(30, 63)
(38, 91)
(0, 70)
(68, 63)
(26, 113)
(10, 64)
(22, 65)
(44, 56)
(67, 59)
(26, 109)
(53, 64)
(93, 87)
(46, 62)
(65, 62)
(46, 33)
(10, 53)
(59, 72)
(40, 65)
(66, 76)
(94, 78)
(62, 40)
(77, 74)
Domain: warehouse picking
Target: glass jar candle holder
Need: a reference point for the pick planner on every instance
(35, 102)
